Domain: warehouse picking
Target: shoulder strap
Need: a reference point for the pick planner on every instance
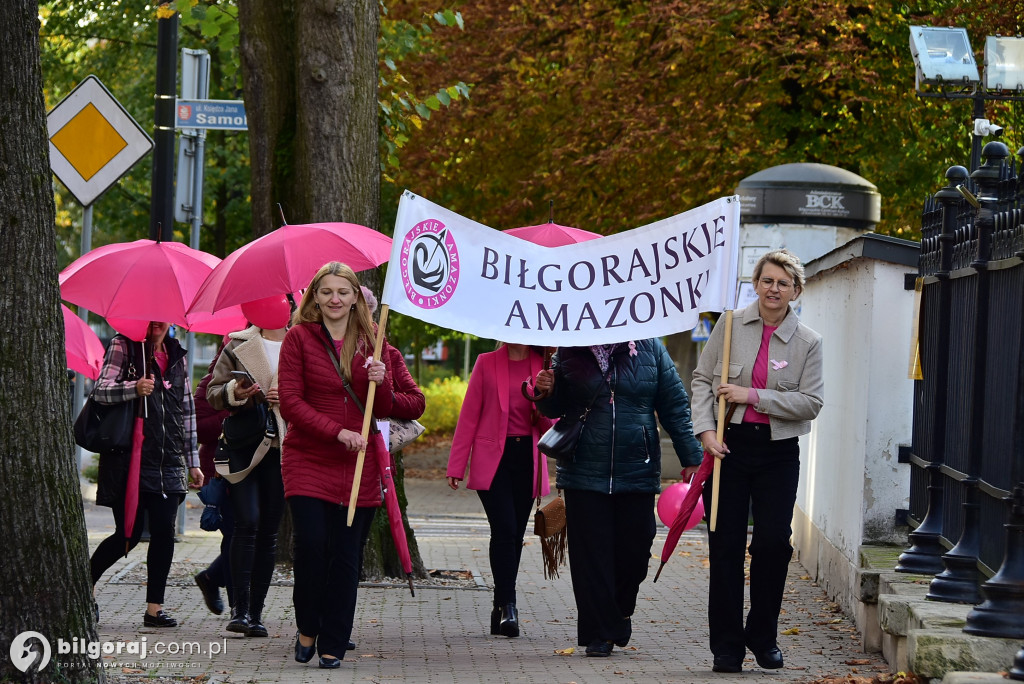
(332, 352)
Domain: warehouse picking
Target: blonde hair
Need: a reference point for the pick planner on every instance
(359, 333)
(785, 260)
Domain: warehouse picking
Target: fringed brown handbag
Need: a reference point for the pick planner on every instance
(549, 525)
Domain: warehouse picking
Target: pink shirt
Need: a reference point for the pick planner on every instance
(759, 376)
(519, 409)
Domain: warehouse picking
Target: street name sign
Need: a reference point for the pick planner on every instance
(227, 115)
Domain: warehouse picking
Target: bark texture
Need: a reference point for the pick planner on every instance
(44, 575)
(310, 74)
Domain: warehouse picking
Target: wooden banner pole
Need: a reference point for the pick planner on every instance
(367, 417)
(716, 475)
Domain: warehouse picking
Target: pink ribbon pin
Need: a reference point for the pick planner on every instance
(778, 365)
(632, 348)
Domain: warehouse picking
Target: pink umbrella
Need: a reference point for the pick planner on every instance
(394, 511)
(287, 259)
(685, 509)
(142, 280)
(552, 234)
(82, 347)
(220, 323)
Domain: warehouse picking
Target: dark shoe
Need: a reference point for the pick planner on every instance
(255, 628)
(623, 642)
(161, 619)
(239, 622)
(599, 648)
(727, 663)
(211, 593)
(328, 663)
(303, 654)
(769, 659)
(495, 620)
(350, 646)
(509, 624)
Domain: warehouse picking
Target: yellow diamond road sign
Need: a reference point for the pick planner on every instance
(93, 140)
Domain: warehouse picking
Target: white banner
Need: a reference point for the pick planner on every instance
(646, 282)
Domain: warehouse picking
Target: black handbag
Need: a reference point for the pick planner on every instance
(560, 441)
(102, 428)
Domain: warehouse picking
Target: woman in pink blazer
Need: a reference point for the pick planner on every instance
(498, 430)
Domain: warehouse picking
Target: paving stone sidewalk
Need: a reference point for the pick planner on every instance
(442, 634)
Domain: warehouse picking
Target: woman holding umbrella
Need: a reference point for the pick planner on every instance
(245, 380)
(325, 371)
(775, 380)
(169, 456)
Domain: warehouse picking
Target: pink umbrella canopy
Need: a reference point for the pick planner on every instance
(552, 234)
(141, 280)
(287, 259)
(82, 346)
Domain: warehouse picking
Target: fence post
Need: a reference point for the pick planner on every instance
(958, 583)
(1000, 614)
(924, 557)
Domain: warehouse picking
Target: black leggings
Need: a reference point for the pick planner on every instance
(257, 503)
(162, 513)
(507, 505)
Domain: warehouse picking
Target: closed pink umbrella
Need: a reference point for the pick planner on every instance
(391, 505)
(552, 234)
(287, 259)
(82, 346)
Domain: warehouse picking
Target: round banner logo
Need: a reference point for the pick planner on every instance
(430, 264)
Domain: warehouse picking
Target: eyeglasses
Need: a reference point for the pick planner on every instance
(783, 285)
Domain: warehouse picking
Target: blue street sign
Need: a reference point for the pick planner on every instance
(228, 115)
(702, 332)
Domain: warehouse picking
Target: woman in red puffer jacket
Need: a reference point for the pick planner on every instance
(324, 377)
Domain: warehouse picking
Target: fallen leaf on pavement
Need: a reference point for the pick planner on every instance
(565, 651)
(791, 631)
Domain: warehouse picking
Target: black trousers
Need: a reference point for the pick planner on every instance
(758, 476)
(507, 505)
(163, 511)
(258, 504)
(327, 560)
(610, 538)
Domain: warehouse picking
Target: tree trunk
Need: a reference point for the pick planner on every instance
(310, 73)
(44, 576)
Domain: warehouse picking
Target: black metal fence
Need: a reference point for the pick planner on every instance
(967, 494)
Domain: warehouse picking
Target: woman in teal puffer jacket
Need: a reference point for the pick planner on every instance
(611, 482)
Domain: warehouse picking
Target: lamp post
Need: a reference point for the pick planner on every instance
(944, 61)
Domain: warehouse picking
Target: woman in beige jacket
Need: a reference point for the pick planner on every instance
(257, 500)
(775, 387)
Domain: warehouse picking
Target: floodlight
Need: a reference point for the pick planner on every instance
(942, 56)
(1004, 63)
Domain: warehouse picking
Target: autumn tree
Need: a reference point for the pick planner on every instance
(44, 576)
(627, 112)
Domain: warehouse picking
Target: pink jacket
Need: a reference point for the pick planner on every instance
(483, 423)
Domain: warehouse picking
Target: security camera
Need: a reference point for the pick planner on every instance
(984, 127)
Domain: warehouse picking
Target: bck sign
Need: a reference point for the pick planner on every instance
(824, 203)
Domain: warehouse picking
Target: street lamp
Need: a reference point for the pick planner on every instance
(943, 60)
